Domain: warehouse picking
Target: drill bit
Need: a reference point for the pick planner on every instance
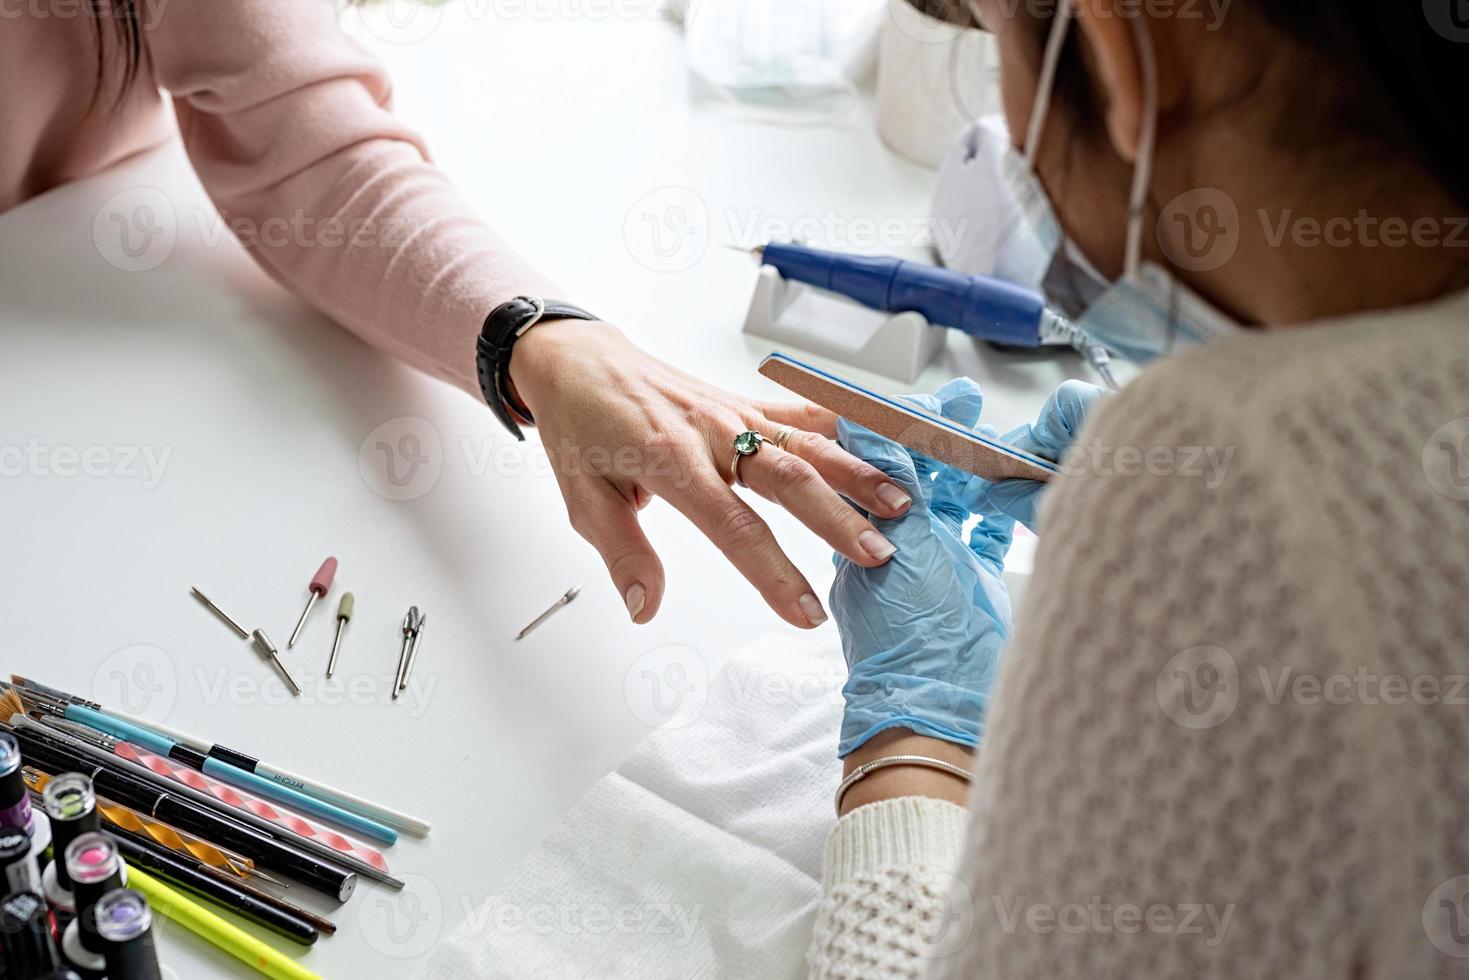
(209, 604)
(269, 652)
(412, 653)
(571, 594)
(344, 615)
(320, 583)
(410, 627)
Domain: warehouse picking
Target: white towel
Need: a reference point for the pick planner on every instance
(700, 856)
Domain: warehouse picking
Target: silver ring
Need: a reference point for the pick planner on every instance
(783, 436)
(747, 443)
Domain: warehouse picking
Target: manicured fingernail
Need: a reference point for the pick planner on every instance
(876, 545)
(893, 497)
(815, 615)
(636, 598)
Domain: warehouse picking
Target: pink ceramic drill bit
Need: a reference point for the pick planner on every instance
(320, 583)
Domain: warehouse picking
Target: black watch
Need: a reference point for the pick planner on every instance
(506, 324)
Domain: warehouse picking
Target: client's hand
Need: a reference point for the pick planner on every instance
(923, 633)
(622, 427)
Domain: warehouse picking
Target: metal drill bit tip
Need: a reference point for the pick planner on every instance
(417, 636)
(269, 652)
(412, 623)
(571, 594)
(224, 616)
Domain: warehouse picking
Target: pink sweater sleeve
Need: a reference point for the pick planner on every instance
(286, 121)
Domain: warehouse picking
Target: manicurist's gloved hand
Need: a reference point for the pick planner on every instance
(922, 634)
(1049, 436)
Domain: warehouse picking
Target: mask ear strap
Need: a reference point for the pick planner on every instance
(1142, 170)
(1046, 80)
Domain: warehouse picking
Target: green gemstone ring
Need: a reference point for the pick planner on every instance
(745, 444)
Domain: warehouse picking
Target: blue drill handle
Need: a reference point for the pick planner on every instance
(990, 309)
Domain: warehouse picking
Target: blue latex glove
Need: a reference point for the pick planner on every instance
(1049, 436)
(922, 633)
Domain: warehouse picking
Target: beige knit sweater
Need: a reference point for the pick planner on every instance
(1231, 737)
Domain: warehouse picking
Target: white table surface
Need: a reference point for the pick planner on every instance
(262, 420)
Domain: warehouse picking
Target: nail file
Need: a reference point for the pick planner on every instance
(907, 424)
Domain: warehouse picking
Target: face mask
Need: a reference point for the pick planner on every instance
(1147, 312)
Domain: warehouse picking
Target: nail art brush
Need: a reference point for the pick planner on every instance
(166, 867)
(268, 650)
(320, 583)
(347, 801)
(116, 734)
(134, 786)
(224, 616)
(124, 820)
(318, 922)
(556, 606)
(344, 615)
(166, 777)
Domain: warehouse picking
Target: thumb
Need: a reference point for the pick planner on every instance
(609, 522)
(1019, 499)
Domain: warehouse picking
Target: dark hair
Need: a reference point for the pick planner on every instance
(127, 34)
(1385, 73)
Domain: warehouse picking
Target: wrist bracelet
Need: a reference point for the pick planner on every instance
(506, 324)
(897, 760)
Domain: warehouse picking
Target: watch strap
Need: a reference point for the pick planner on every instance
(506, 324)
